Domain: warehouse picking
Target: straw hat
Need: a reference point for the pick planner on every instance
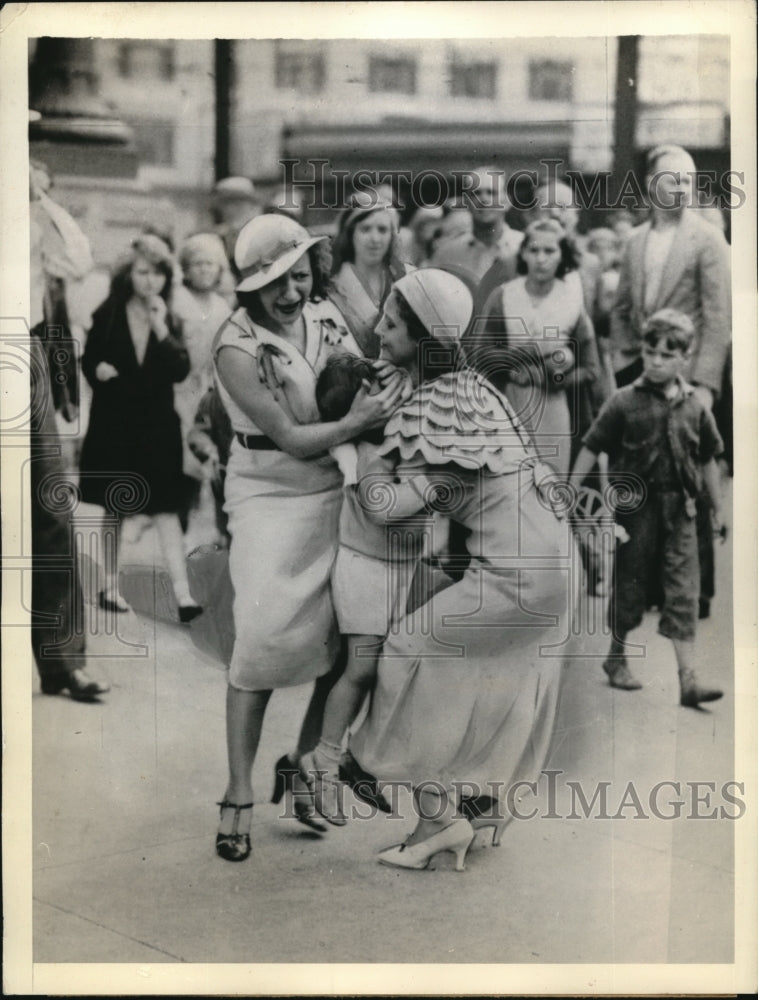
(441, 301)
(267, 247)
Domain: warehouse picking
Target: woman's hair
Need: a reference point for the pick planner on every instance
(320, 259)
(674, 328)
(434, 357)
(156, 252)
(568, 261)
(343, 248)
(203, 243)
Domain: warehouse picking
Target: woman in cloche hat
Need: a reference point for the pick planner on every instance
(466, 687)
(283, 498)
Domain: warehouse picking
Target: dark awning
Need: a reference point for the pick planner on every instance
(419, 144)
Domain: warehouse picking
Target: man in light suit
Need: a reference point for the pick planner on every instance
(676, 260)
(491, 247)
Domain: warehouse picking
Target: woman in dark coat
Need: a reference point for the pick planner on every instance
(132, 453)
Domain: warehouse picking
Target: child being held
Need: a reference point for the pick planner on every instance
(661, 440)
(370, 582)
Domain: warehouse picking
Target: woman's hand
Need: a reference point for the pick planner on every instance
(375, 410)
(105, 372)
(384, 369)
(157, 311)
(389, 375)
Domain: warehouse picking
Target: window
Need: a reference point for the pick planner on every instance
(154, 140)
(395, 76)
(550, 80)
(151, 60)
(302, 70)
(473, 79)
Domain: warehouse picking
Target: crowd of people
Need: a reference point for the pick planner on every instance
(390, 419)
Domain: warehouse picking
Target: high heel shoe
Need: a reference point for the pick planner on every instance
(233, 846)
(482, 812)
(288, 778)
(456, 837)
(362, 783)
(327, 792)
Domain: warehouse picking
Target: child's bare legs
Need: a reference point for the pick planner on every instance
(342, 706)
(691, 692)
(110, 546)
(172, 544)
(617, 668)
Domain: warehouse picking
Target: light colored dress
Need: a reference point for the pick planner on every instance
(360, 310)
(283, 517)
(557, 328)
(199, 327)
(468, 683)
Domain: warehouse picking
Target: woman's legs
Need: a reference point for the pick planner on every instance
(172, 544)
(435, 808)
(244, 720)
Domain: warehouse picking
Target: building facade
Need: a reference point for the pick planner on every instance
(379, 105)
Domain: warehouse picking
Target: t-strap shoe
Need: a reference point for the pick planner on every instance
(234, 846)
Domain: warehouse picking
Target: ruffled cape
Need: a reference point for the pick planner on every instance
(458, 419)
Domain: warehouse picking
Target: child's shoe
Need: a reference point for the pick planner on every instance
(619, 675)
(692, 694)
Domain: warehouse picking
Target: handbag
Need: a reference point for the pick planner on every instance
(211, 585)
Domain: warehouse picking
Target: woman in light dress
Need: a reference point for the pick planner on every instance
(543, 348)
(467, 684)
(283, 496)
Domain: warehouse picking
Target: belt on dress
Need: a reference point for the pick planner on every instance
(256, 442)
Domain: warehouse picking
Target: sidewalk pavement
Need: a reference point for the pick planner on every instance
(124, 826)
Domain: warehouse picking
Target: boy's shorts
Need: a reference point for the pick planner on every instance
(657, 566)
(368, 593)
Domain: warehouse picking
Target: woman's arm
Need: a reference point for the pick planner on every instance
(587, 368)
(238, 372)
(94, 349)
(389, 493)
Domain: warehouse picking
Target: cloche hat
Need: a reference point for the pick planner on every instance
(441, 301)
(267, 247)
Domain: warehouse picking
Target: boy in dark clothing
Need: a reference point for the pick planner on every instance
(661, 442)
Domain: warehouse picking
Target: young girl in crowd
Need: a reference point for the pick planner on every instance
(366, 261)
(133, 357)
(544, 344)
(202, 311)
